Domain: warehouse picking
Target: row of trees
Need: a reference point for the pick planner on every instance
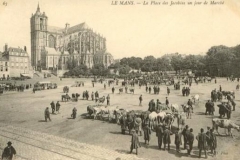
(218, 61)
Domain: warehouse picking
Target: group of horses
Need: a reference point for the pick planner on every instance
(135, 119)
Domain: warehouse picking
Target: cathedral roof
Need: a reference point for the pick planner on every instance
(51, 51)
(54, 29)
(76, 28)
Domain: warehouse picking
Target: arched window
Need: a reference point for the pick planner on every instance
(41, 24)
(51, 41)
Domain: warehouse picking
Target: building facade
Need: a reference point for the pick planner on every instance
(14, 62)
(51, 47)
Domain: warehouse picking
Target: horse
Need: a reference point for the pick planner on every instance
(66, 97)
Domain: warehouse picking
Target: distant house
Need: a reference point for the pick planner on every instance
(14, 62)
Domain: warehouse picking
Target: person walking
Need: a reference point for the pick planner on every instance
(57, 106)
(108, 100)
(140, 100)
(190, 140)
(135, 144)
(47, 114)
(9, 152)
(202, 142)
(178, 140)
(159, 134)
(53, 107)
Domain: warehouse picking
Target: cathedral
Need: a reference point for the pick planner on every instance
(54, 47)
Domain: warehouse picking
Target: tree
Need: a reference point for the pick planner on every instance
(99, 70)
(177, 62)
(148, 64)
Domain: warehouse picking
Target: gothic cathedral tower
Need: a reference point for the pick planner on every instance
(38, 37)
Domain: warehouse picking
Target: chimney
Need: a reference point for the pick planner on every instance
(25, 48)
(66, 27)
(6, 47)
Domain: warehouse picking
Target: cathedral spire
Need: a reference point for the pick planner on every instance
(38, 8)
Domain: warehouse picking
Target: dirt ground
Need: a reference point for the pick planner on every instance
(26, 110)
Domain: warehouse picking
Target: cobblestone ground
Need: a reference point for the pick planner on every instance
(22, 122)
(40, 146)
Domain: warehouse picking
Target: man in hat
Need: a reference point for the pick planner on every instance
(166, 138)
(108, 100)
(53, 107)
(202, 142)
(74, 113)
(135, 142)
(167, 102)
(140, 100)
(168, 91)
(208, 138)
(190, 139)
(213, 142)
(57, 106)
(92, 96)
(185, 133)
(47, 114)
(147, 132)
(8, 152)
(159, 134)
(178, 140)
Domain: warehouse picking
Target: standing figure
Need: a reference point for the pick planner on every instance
(108, 100)
(96, 96)
(202, 143)
(178, 140)
(57, 106)
(8, 152)
(167, 101)
(104, 85)
(213, 142)
(220, 88)
(135, 144)
(92, 96)
(47, 114)
(140, 100)
(166, 138)
(74, 113)
(53, 107)
(147, 133)
(190, 139)
(149, 89)
(185, 133)
(113, 89)
(159, 134)
(168, 91)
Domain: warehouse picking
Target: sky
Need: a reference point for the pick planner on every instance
(131, 30)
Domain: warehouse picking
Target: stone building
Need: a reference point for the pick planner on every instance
(4, 68)
(51, 47)
(15, 61)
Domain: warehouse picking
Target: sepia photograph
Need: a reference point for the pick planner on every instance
(119, 80)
